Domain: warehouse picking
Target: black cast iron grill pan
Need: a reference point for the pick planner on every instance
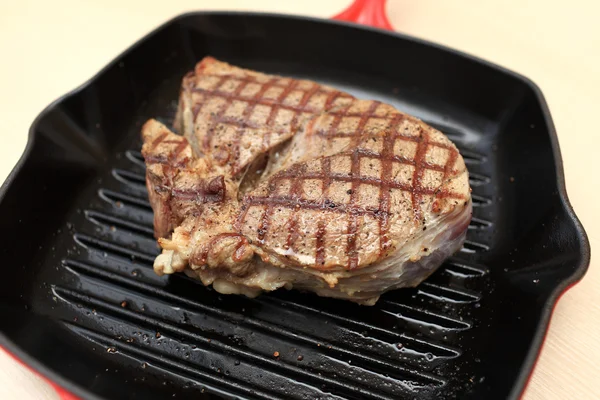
(81, 304)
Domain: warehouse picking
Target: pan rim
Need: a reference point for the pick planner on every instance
(535, 348)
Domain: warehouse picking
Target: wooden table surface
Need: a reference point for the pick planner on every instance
(49, 48)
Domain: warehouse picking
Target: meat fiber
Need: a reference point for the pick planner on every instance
(279, 182)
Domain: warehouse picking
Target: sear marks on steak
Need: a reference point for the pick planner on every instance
(231, 115)
(279, 182)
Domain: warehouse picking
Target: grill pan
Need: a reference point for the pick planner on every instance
(81, 304)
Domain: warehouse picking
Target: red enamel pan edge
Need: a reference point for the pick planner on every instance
(540, 348)
(63, 394)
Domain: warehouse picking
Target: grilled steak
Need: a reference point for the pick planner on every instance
(279, 182)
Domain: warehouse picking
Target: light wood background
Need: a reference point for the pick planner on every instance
(49, 48)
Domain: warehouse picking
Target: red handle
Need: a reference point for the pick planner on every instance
(366, 12)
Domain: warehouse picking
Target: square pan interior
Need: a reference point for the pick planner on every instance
(81, 303)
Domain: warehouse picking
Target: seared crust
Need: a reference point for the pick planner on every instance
(390, 173)
(231, 115)
(178, 185)
(348, 198)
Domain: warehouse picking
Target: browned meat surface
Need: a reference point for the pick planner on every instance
(286, 183)
(231, 115)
